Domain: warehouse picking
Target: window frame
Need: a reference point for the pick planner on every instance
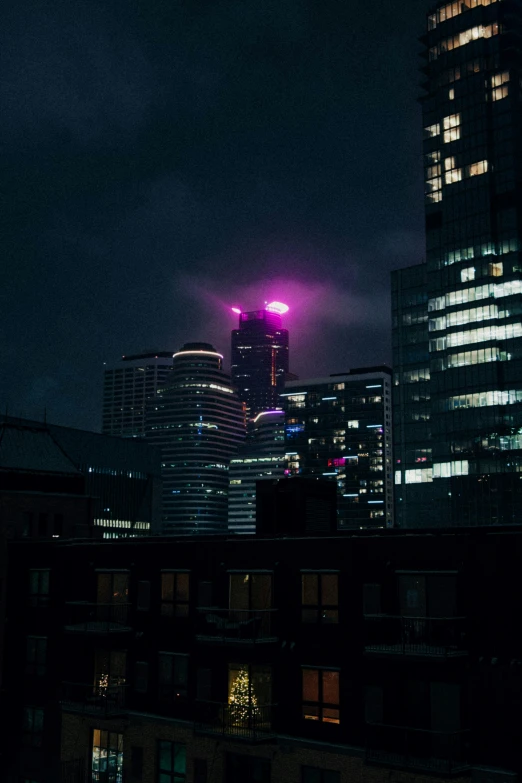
(164, 775)
(40, 597)
(321, 705)
(175, 607)
(33, 737)
(167, 692)
(320, 607)
(36, 664)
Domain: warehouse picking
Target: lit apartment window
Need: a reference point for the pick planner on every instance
(451, 125)
(432, 130)
(172, 762)
(321, 695)
(175, 594)
(451, 172)
(320, 598)
(467, 274)
(496, 269)
(474, 169)
(107, 756)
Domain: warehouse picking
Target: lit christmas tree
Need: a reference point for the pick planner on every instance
(242, 700)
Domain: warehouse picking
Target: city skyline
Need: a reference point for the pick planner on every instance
(162, 180)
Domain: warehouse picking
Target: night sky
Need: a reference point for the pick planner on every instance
(168, 159)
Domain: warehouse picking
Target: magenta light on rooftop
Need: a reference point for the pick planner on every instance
(277, 307)
(236, 310)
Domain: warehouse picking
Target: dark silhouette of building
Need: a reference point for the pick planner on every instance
(457, 318)
(198, 422)
(369, 656)
(259, 359)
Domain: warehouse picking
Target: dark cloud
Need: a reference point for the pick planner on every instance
(164, 161)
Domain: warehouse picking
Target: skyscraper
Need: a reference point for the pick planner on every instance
(198, 422)
(458, 382)
(259, 358)
(261, 458)
(127, 387)
(339, 428)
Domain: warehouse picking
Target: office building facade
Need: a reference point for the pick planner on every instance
(128, 387)
(464, 376)
(261, 458)
(339, 427)
(259, 358)
(198, 422)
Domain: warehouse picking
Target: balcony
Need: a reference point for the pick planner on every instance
(439, 637)
(252, 723)
(418, 749)
(94, 618)
(243, 626)
(102, 701)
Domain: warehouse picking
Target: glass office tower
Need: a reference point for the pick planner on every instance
(340, 428)
(464, 377)
(128, 387)
(259, 359)
(198, 423)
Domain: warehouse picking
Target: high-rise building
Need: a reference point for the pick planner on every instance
(261, 458)
(127, 388)
(458, 382)
(259, 358)
(340, 428)
(198, 422)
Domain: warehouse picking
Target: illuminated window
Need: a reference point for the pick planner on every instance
(432, 130)
(451, 94)
(39, 587)
(172, 762)
(474, 169)
(352, 424)
(398, 477)
(249, 694)
(448, 469)
(320, 598)
(463, 38)
(418, 476)
(496, 269)
(451, 126)
(172, 677)
(33, 721)
(321, 695)
(452, 174)
(36, 655)
(467, 274)
(107, 756)
(175, 594)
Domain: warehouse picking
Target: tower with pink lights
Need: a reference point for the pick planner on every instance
(259, 357)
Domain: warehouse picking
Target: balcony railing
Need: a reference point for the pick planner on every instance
(419, 749)
(236, 625)
(435, 636)
(86, 617)
(103, 701)
(249, 722)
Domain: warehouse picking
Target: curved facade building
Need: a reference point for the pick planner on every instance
(198, 422)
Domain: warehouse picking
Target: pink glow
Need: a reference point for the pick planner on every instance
(277, 307)
(236, 310)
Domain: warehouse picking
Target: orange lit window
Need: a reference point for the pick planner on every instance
(321, 695)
